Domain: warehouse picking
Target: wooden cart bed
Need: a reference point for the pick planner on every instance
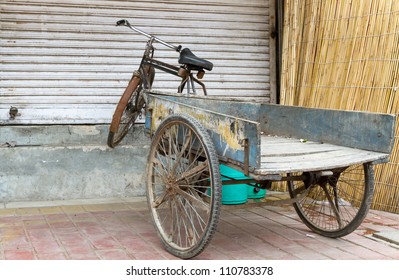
(284, 155)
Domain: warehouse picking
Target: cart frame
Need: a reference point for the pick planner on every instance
(236, 128)
(326, 156)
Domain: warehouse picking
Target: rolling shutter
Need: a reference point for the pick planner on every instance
(67, 62)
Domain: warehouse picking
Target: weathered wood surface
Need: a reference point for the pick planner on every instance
(284, 155)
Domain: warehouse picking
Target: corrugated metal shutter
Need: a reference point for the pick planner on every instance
(66, 62)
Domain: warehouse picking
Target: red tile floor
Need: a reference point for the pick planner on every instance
(122, 230)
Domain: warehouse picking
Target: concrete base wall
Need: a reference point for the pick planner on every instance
(41, 163)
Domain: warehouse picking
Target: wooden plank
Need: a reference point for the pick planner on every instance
(311, 156)
(333, 156)
(304, 165)
(286, 148)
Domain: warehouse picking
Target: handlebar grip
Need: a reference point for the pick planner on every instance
(122, 22)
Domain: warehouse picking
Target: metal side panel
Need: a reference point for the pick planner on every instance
(229, 133)
(359, 130)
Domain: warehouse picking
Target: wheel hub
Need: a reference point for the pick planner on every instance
(171, 186)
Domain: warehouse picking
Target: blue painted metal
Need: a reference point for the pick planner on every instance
(228, 132)
(230, 123)
(354, 129)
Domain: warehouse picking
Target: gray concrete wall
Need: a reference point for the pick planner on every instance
(63, 162)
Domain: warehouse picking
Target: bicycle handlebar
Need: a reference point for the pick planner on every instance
(124, 22)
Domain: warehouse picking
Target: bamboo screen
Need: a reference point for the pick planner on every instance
(344, 54)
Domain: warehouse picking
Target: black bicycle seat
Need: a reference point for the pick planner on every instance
(187, 57)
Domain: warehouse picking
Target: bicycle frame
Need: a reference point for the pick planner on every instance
(149, 61)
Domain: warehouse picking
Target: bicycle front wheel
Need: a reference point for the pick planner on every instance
(129, 108)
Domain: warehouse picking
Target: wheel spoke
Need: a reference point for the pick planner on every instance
(194, 200)
(161, 168)
(336, 205)
(299, 190)
(200, 220)
(332, 205)
(161, 199)
(190, 229)
(183, 186)
(187, 140)
(198, 170)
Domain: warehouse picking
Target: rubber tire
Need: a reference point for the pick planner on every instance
(133, 91)
(215, 186)
(357, 219)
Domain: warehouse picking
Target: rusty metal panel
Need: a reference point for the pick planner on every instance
(360, 130)
(229, 133)
(244, 108)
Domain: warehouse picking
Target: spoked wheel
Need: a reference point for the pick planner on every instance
(183, 186)
(127, 111)
(336, 205)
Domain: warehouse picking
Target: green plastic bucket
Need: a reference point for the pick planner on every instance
(255, 192)
(233, 194)
(240, 193)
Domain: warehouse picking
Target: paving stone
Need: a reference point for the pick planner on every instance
(50, 210)
(73, 209)
(391, 236)
(104, 242)
(117, 254)
(15, 242)
(125, 231)
(51, 256)
(7, 212)
(17, 254)
(27, 211)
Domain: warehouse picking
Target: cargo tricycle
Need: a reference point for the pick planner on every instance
(325, 157)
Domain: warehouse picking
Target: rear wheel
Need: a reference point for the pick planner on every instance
(336, 205)
(183, 186)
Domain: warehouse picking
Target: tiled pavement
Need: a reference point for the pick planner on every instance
(123, 230)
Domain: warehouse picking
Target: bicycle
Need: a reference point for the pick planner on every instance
(132, 102)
